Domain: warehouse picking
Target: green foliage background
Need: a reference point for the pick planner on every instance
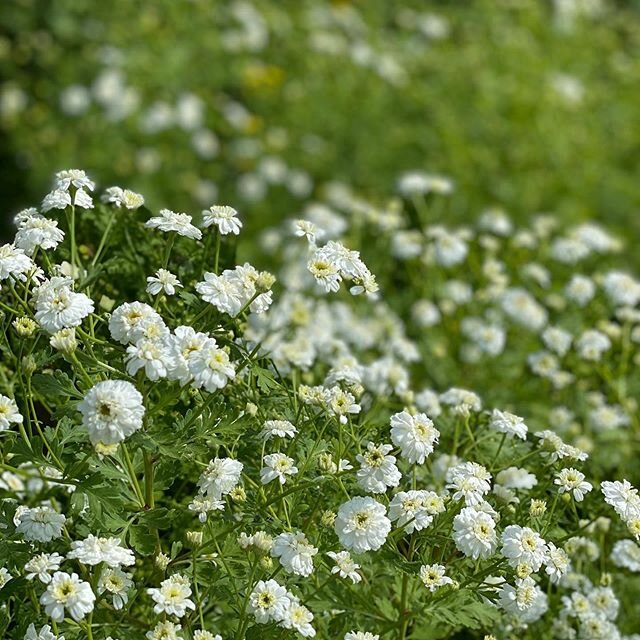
(478, 105)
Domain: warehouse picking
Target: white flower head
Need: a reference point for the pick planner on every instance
(362, 525)
(225, 218)
(111, 411)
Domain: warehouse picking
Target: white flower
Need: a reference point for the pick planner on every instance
(268, 601)
(626, 554)
(378, 470)
(515, 600)
(224, 217)
(557, 563)
(362, 525)
(433, 576)
(135, 320)
(277, 465)
(580, 289)
(40, 524)
(74, 177)
(572, 481)
(67, 592)
(172, 597)
(210, 366)
(361, 635)
(123, 198)
(180, 223)
(415, 435)
(205, 635)
(93, 550)
(14, 263)
(220, 477)
(163, 281)
(414, 510)
(522, 545)
(165, 631)
(111, 411)
(345, 566)
(36, 231)
(557, 340)
(505, 422)
(42, 565)
(203, 506)
(45, 633)
(592, 344)
(56, 199)
(295, 553)
(474, 533)
(623, 497)
(342, 403)
(9, 413)
(621, 288)
(278, 428)
(117, 583)
(298, 617)
(58, 306)
(469, 480)
(5, 577)
(154, 356)
(521, 307)
(308, 230)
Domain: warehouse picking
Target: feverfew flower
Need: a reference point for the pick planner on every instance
(164, 631)
(132, 321)
(116, 583)
(14, 263)
(592, 344)
(268, 601)
(111, 411)
(378, 469)
(220, 477)
(67, 591)
(572, 481)
(433, 576)
(277, 465)
(505, 422)
(361, 635)
(163, 280)
(345, 566)
(474, 533)
(522, 545)
(9, 413)
(515, 600)
(623, 497)
(210, 366)
(278, 428)
(93, 550)
(179, 223)
(42, 566)
(362, 525)
(557, 563)
(123, 198)
(172, 596)
(294, 552)
(298, 618)
(414, 510)
(39, 524)
(45, 633)
(414, 434)
(224, 218)
(36, 231)
(58, 306)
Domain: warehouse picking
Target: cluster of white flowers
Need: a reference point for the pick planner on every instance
(241, 448)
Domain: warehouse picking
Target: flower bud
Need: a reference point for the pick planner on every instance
(194, 538)
(64, 340)
(238, 495)
(266, 563)
(328, 518)
(537, 508)
(25, 327)
(162, 561)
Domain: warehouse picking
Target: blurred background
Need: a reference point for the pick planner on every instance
(530, 105)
